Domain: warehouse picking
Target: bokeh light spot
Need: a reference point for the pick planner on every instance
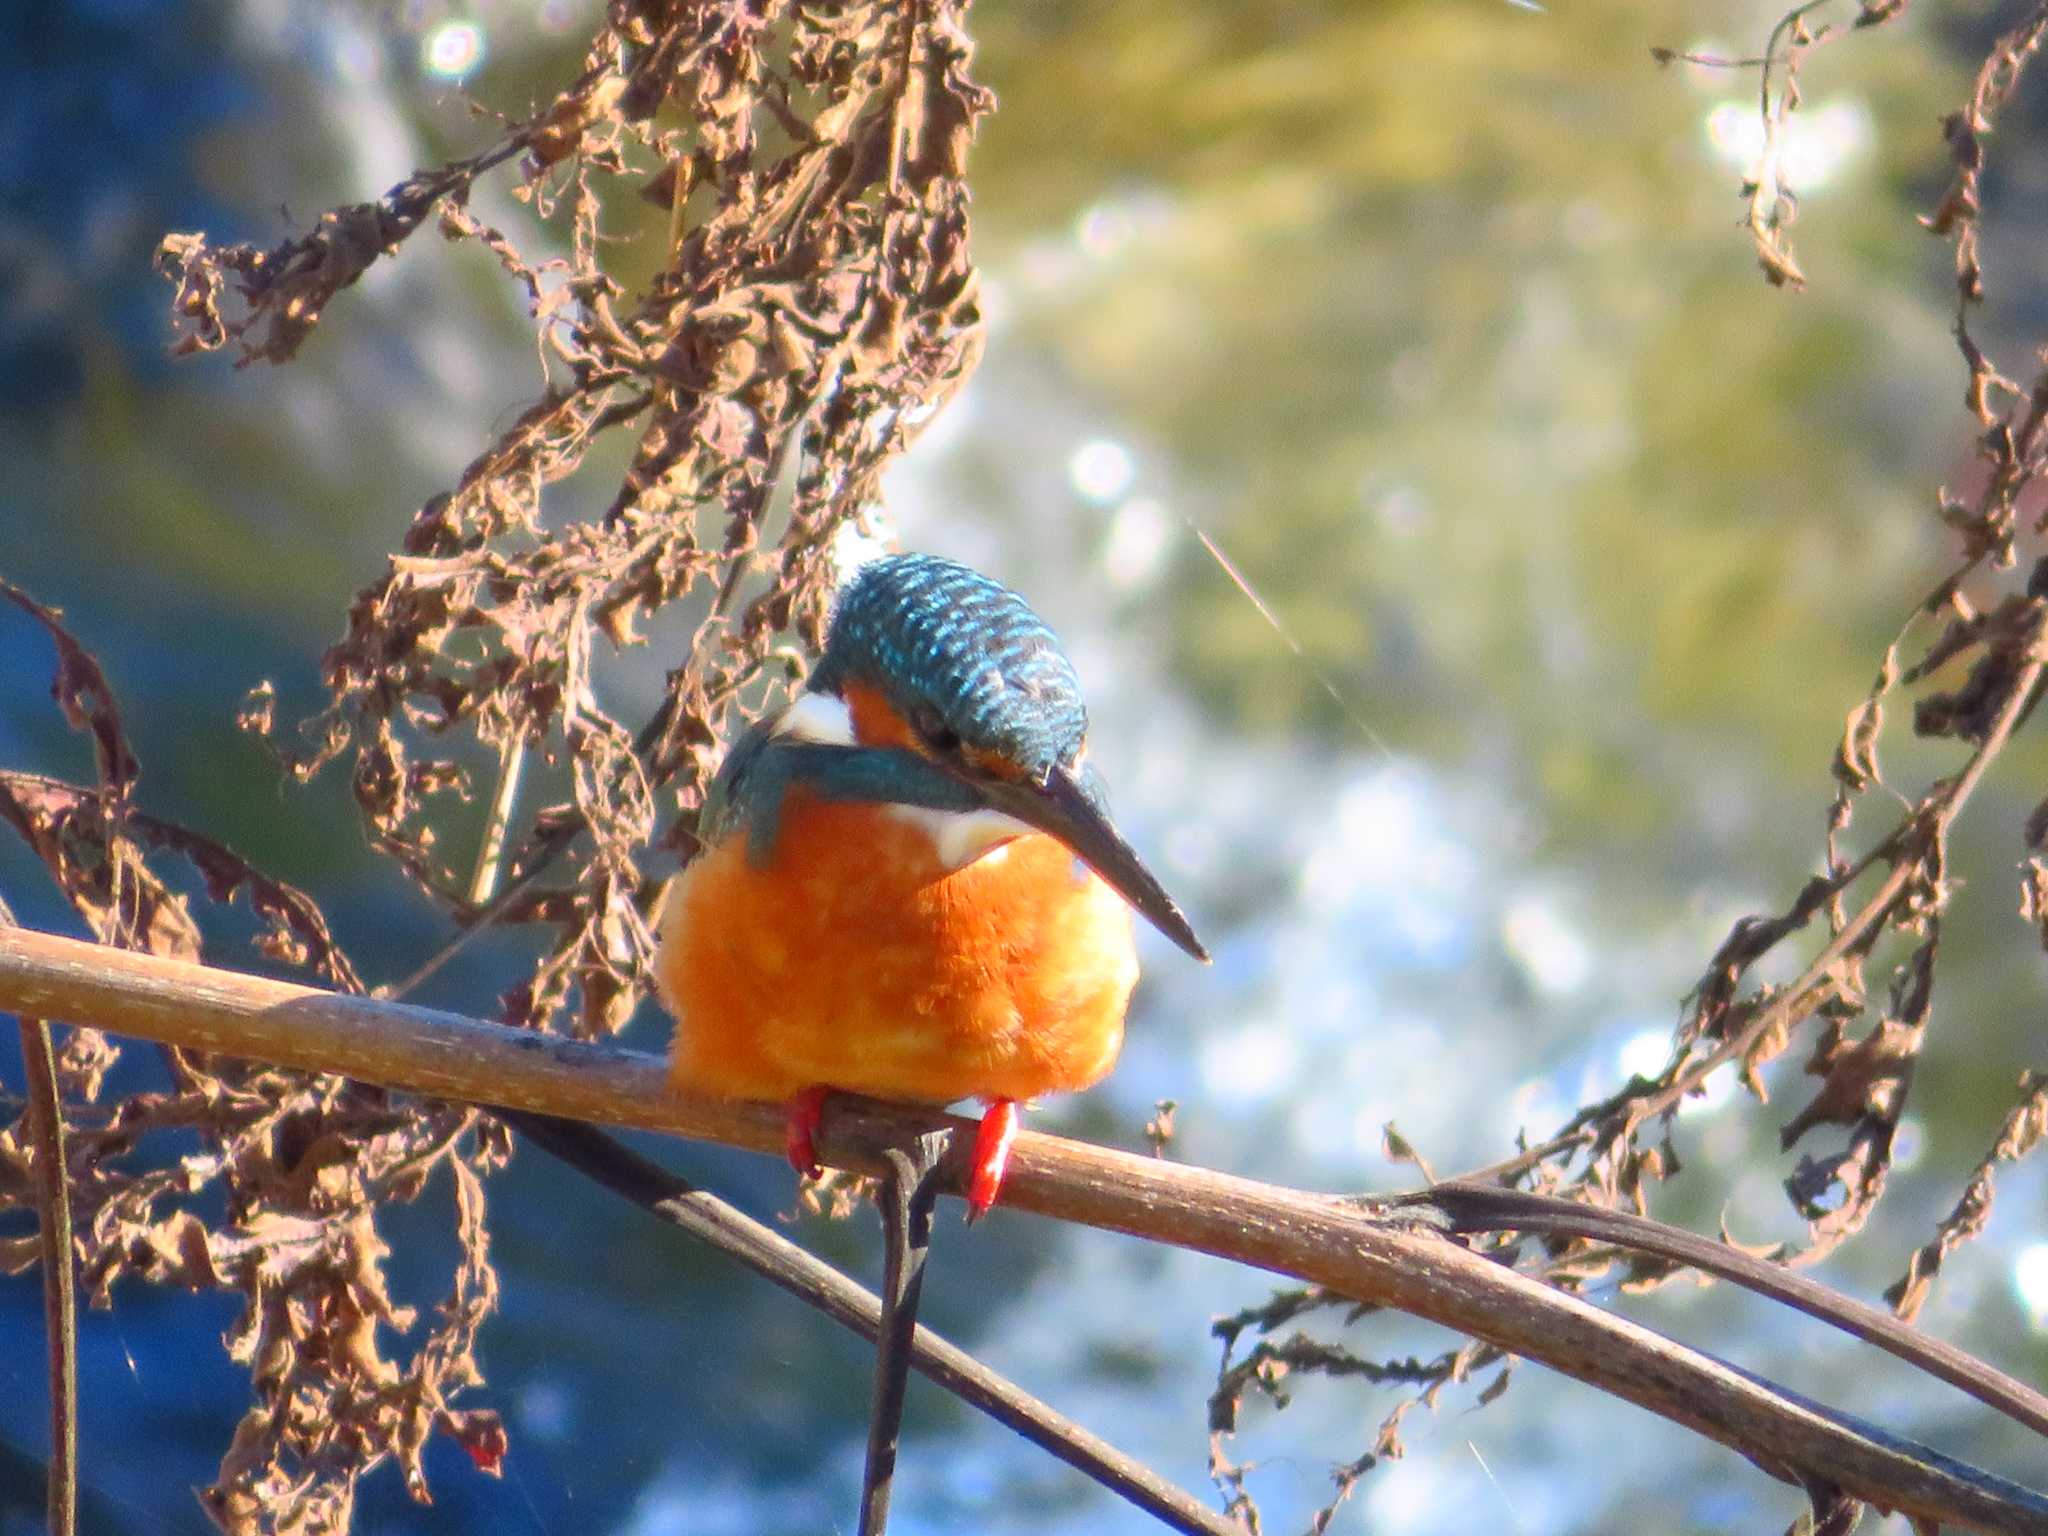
(1107, 229)
(1406, 1495)
(1644, 1053)
(2030, 1279)
(452, 50)
(1535, 1105)
(1817, 144)
(1717, 1090)
(1550, 952)
(558, 16)
(1735, 132)
(1103, 230)
(1248, 1064)
(546, 1410)
(1139, 535)
(1102, 470)
(355, 57)
(1403, 511)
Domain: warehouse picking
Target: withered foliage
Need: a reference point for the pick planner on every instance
(1770, 201)
(298, 1164)
(1972, 656)
(1267, 1368)
(815, 303)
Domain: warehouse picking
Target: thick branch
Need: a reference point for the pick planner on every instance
(1312, 1237)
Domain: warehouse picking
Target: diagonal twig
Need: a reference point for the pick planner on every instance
(817, 1284)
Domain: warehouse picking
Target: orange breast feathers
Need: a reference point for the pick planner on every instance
(855, 959)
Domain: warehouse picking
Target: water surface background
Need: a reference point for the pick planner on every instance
(1436, 319)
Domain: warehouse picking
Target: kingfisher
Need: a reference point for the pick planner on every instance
(909, 885)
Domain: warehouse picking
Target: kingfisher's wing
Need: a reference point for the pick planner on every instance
(726, 804)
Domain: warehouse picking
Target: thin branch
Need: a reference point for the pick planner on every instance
(817, 1284)
(1488, 1208)
(60, 1293)
(1315, 1238)
(483, 884)
(908, 1192)
(488, 902)
(60, 1298)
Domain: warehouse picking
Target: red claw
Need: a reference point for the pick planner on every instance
(806, 1111)
(992, 1144)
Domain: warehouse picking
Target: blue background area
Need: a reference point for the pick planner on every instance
(1459, 858)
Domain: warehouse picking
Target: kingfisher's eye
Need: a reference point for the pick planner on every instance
(938, 735)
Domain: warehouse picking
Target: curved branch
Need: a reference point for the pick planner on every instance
(1320, 1239)
(1467, 1207)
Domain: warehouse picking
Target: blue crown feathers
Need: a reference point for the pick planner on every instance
(954, 652)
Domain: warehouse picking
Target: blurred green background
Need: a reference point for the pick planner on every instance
(1437, 319)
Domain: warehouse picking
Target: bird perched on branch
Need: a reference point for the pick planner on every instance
(910, 885)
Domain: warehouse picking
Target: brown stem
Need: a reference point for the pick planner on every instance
(1798, 1000)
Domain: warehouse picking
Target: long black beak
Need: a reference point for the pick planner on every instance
(1064, 807)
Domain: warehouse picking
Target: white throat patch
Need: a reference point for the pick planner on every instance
(818, 717)
(962, 838)
(959, 838)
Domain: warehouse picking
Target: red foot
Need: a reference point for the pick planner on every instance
(991, 1156)
(806, 1110)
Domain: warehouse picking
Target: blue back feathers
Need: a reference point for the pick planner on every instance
(957, 654)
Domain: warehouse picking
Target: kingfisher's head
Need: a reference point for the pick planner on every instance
(927, 655)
